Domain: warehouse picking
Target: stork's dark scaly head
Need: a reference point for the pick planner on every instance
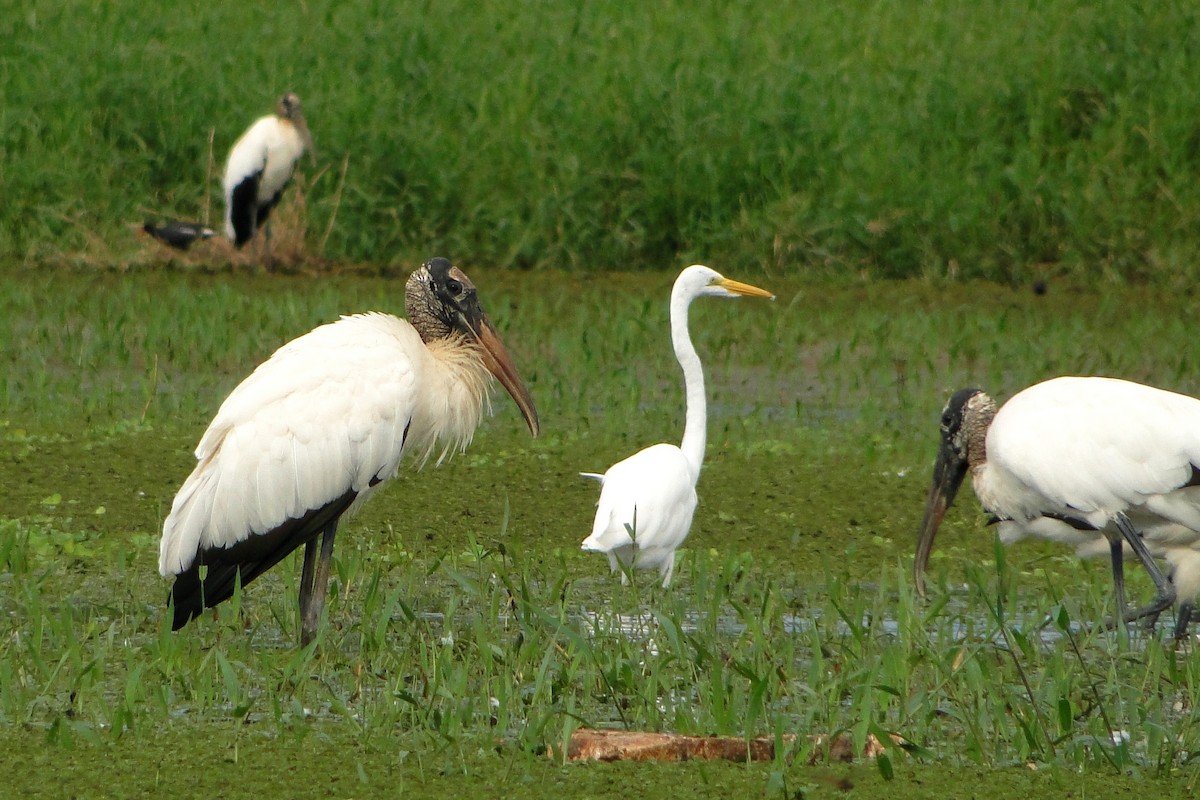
(288, 108)
(964, 424)
(442, 303)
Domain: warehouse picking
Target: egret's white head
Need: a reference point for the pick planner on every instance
(699, 280)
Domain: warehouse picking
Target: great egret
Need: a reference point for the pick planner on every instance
(1075, 459)
(318, 426)
(260, 166)
(647, 501)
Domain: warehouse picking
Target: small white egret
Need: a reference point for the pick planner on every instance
(1087, 462)
(647, 501)
(260, 166)
(318, 426)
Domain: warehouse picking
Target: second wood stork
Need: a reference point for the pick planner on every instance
(1100, 464)
(260, 166)
(647, 500)
(319, 426)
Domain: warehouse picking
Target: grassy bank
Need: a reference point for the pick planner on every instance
(970, 139)
(467, 634)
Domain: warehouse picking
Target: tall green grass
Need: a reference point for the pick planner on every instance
(963, 139)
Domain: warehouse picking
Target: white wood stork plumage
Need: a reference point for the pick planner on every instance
(318, 426)
(260, 166)
(1101, 464)
(653, 492)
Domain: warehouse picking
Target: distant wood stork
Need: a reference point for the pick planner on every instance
(1096, 463)
(318, 426)
(260, 166)
(177, 233)
(647, 501)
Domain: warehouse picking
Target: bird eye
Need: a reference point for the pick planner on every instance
(453, 286)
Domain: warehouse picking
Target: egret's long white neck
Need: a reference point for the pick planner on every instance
(695, 422)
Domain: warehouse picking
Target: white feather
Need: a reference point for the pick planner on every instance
(653, 492)
(1094, 445)
(324, 415)
(1095, 448)
(267, 152)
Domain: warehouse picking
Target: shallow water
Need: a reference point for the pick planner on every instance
(819, 451)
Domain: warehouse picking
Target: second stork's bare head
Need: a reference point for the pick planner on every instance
(965, 422)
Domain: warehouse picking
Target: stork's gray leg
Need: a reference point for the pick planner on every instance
(1183, 617)
(1164, 589)
(306, 574)
(1116, 551)
(313, 601)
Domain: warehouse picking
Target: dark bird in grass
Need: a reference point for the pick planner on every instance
(319, 426)
(177, 233)
(260, 166)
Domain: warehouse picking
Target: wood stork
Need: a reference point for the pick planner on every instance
(318, 426)
(1096, 463)
(260, 166)
(647, 501)
(177, 233)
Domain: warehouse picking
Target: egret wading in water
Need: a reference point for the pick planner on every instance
(260, 166)
(647, 501)
(1101, 464)
(318, 426)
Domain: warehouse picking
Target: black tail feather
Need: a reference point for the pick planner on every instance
(250, 558)
(243, 209)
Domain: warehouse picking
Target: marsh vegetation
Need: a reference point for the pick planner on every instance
(466, 632)
(975, 140)
(901, 177)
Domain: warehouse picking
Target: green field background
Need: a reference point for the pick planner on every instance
(1003, 140)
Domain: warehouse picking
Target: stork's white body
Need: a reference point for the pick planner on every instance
(262, 162)
(311, 433)
(327, 414)
(1092, 448)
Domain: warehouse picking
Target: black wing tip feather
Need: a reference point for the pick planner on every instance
(189, 595)
(184, 600)
(243, 212)
(245, 561)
